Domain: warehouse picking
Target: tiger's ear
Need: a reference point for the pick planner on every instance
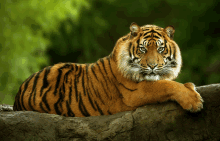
(170, 31)
(134, 28)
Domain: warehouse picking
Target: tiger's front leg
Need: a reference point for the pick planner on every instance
(163, 90)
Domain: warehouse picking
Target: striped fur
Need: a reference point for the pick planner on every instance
(137, 72)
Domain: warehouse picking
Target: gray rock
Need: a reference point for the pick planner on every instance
(156, 122)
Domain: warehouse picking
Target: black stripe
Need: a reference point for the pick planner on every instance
(120, 95)
(69, 71)
(157, 33)
(83, 83)
(155, 36)
(88, 87)
(76, 81)
(24, 90)
(59, 101)
(35, 91)
(92, 66)
(97, 93)
(104, 90)
(117, 81)
(174, 51)
(146, 33)
(147, 37)
(70, 94)
(165, 41)
(70, 89)
(102, 62)
(170, 51)
(41, 106)
(90, 100)
(17, 105)
(69, 111)
(44, 100)
(101, 71)
(129, 49)
(34, 87)
(63, 88)
(107, 75)
(168, 47)
(101, 82)
(58, 80)
(138, 42)
(100, 111)
(109, 112)
(76, 67)
(82, 107)
(75, 87)
(116, 85)
(45, 82)
(152, 31)
(66, 75)
(116, 78)
(137, 50)
(89, 91)
(109, 61)
(18, 96)
(29, 102)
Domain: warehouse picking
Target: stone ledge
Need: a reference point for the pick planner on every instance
(164, 121)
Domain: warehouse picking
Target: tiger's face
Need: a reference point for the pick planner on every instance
(149, 53)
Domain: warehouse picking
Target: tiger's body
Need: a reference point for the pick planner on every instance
(139, 71)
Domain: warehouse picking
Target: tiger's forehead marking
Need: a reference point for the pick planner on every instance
(152, 32)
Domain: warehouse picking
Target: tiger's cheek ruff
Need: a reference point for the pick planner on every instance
(176, 59)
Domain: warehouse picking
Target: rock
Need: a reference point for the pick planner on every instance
(155, 122)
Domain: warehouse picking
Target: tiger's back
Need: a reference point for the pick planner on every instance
(71, 90)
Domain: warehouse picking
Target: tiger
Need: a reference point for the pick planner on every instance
(140, 70)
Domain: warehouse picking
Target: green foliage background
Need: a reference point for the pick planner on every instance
(35, 34)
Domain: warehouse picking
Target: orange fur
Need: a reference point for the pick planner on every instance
(139, 71)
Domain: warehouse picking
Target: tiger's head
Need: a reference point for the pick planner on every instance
(148, 53)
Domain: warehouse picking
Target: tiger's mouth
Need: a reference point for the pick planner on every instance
(151, 73)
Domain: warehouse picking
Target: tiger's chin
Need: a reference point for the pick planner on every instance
(152, 77)
(138, 77)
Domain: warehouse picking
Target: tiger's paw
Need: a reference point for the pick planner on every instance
(191, 100)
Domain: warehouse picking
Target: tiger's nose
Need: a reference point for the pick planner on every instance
(152, 66)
